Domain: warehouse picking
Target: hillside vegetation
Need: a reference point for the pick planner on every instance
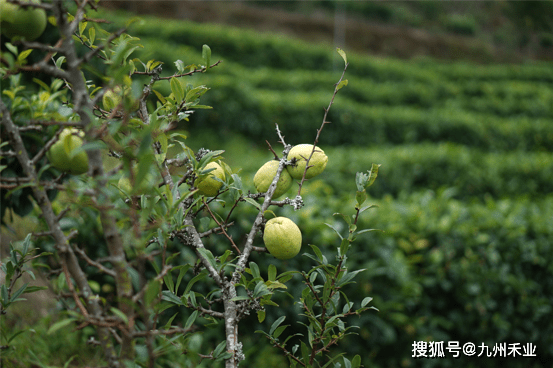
(464, 192)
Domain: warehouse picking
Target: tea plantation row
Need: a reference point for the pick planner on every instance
(252, 101)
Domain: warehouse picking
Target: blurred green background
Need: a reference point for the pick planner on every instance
(454, 100)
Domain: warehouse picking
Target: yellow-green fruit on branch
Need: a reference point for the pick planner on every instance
(62, 153)
(265, 175)
(301, 153)
(19, 22)
(282, 238)
(112, 98)
(207, 184)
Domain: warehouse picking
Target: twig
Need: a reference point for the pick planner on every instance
(99, 266)
(321, 128)
(222, 227)
(211, 231)
(81, 307)
(271, 149)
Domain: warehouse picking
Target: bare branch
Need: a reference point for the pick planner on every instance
(99, 266)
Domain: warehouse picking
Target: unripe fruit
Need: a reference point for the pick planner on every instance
(265, 175)
(111, 98)
(301, 153)
(18, 22)
(282, 238)
(207, 184)
(61, 155)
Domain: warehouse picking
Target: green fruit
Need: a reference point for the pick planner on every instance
(301, 153)
(18, 22)
(207, 184)
(282, 237)
(62, 153)
(111, 98)
(265, 175)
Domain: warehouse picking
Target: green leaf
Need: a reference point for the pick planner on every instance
(160, 96)
(344, 246)
(195, 93)
(32, 289)
(342, 54)
(24, 54)
(275, 285)
(152, 291)
(206, 55)
(60, 324)
(336, 230)
(254, 203)
(305, 353)
(5, 297)
(15, 335)
(347, 363)
(219, 349)
(366, 301)
(120, 314)
(272, 272)
(206, 254)
(191, 319)
(170, 321)
(367, 208)
(193, 281)
(372, 175)
(176, 88)
(11, 47)
(60, 61)
(170, 297)
(82, 27)
(42, 84)
(367, 230)
(208, 157)
(361, 197)
(180, 66)
(346, 218)
(279, 331)
(342, 84)
(182, 272)
(347, 307)
(260, 315)
(356, 362)
(19, 292)
(276, 324)
(92, 34)
(260, 290)
(317, 251)
(192, 297)
(334, 358)
(169, 282)
(237, 298)
(254, 268)
(265, 301)
(348, 276)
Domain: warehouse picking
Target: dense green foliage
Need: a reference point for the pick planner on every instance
(464, 190)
